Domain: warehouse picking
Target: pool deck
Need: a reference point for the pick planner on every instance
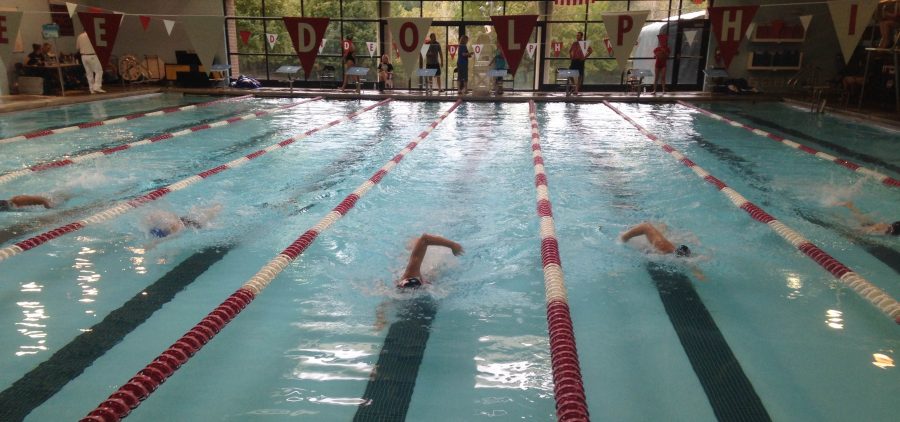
(12, 103)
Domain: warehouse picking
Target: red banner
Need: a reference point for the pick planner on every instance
(245, 36)
(306, 35)
(513, 32)
(557, 47)
(145, 21)
(102, 29)
(729, 24)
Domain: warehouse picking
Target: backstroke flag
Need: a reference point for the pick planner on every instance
(408, 35)
(306, 36)
(729, 25)
(102, 29)
(623, 29)
(205, 33)
(9, 28)
(850, 18)
(513, 32)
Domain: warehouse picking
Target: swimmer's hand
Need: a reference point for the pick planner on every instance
(457, 249)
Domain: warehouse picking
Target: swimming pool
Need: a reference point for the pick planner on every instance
(792, 342)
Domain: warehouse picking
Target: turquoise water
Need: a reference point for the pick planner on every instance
(307, 345)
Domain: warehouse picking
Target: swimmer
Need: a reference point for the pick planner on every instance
(869, 226)
(20, 201)
(660, 243)
(412, 277)
(164, 224)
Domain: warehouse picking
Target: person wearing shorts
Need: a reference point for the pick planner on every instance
(433, 58)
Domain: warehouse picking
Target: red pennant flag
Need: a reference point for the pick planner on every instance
(245, 36)
(145, 21)
(513, 32)
(557, 48)
(102, 29)
(306, 35)
(729, 23)
(451, 50)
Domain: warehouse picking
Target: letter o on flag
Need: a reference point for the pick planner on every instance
(408, 40)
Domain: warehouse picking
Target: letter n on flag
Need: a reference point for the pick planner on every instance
(729, 24)
(306, 34)
(102, 29)
(850, 19)
(623, 29)
(513, 32)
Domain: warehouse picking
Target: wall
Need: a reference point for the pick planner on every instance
(132, 38)
(821, 51)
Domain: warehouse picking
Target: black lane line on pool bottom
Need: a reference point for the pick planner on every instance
(842, 150)
(730, 393)
(42, 382)
(390, 387)
(888, 256)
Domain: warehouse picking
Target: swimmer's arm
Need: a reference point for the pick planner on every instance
(860, 217)
(28, 200)
(698, 274)
(430, 240)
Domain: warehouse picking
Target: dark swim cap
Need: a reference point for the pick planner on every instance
(4, 205)
(683, 250)
(894, 229)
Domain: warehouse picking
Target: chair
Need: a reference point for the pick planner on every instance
(327, 74)
(455, 76)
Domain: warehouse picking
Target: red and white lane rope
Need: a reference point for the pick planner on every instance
(46, 132)
(568, 386)
(126, 206)
(147, 380)
(881, 177)
(162, 137)
(883, 301)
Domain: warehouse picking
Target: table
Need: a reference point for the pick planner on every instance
(892, 51)
(44, 69)
(359, 72)
(290, 71)
(497, 73)
(568, 75)
(426, 75)
(223, 69)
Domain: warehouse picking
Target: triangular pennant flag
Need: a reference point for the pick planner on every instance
(476, 48)
(408, 35)
(372, 48)
(805, 20)
(690, 36)
(729, 24)
(346, 45)
(306, 34)
(245, 36)
(102, 29)
(623, 29)
(531, 48)
(556, 46)
(513, 32)
(145, 21)
(71, 8)
(271, 39)
(205, 34)
(451, 50)
(750, 29)
(424, 51)
(584, 45)
(9, 29)
(168, 24)
(850, 18)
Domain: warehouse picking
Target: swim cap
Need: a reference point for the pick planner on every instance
(894, 229)
(158, 232)
(683, 250)
(4, 205)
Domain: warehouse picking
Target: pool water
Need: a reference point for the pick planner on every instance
(472, 345)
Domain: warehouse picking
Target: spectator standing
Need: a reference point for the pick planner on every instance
(92, 68)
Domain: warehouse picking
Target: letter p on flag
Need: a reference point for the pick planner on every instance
(626, 23)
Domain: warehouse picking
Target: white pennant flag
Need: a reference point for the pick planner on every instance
(690, 36)
(408, 36)
(371, 46)
(271, 38)
(477, 49)
(71, 8)
(322, 45)
(805, 20)
(750, 29)
(424, 51)
(205, 34)
(9, 31)
(169, 24)
(584, 44)
(623, 29)
(850, 30)
(531, 48)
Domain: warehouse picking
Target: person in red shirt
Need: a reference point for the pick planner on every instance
(661, 54)
(578, 55)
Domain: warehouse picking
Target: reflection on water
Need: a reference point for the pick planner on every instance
(834, 319)
(332, 362)
(31, 326)
(138, 259)
(86, 276)
(519, 362)
(882, 361)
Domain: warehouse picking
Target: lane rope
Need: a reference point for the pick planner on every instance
(881, 177)
(877, 297)
(120, 119)
(126, 206)
(568, 387)
(148, 379)
(157, 138)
